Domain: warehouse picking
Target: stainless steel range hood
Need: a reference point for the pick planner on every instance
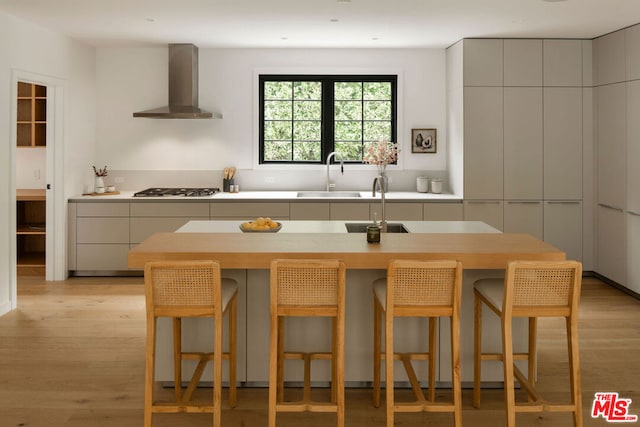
(183, 87)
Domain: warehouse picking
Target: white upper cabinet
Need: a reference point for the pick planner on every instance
(633, 146)
(609, 58)
(562, 61)
(522, 143)
(611, 146)
(523, 63)
(483, 63)
(563, 143)
(632, 48)
(483, 142)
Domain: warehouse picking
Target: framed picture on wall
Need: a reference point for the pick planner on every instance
(423, 141)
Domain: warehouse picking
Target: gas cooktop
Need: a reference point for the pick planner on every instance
(177, 192)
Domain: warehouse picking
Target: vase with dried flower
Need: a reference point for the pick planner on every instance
(380, 154)
(99, 181)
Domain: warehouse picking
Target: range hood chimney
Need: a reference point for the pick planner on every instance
(183, 87)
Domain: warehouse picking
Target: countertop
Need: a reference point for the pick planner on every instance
(486, 249)
(229, 226)
(365, 196)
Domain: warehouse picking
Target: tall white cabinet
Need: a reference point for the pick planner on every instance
(617, 110)
(524, 137)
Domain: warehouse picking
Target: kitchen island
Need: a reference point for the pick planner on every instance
(483, 251)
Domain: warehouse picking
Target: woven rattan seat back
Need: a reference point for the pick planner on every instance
(415, 285)
(544, 284)
(306, 282)
(185, 284)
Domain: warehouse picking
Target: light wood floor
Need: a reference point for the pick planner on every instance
(72, 355)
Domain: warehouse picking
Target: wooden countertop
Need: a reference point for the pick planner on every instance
(256, 250)
(28, 194)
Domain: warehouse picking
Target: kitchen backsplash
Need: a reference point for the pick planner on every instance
(261, 180)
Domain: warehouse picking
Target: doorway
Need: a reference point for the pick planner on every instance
(52, 175)
(31, 162)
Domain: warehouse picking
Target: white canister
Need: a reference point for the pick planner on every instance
(436, 186)
(422, 184)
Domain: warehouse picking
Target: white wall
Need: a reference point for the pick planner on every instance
(29, 48)
(134, 79)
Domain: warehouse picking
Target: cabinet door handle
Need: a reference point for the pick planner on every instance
(563, 202)
(523, 202)
(611, 207)
(483, 202)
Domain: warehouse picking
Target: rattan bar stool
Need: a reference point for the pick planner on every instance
(179, 289)
(306, 288)
(530, 289)
(428, 289)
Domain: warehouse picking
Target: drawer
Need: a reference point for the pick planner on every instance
(249, 210)
(170, 209)
(102, 257)
(141, 228)
(102, 209)
(102, 230)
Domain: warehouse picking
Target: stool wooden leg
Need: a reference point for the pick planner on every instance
(177, 358)
(455, 371)
(477, 349)
(433, 325)
(507, 358)
(334, 364)
(280, 358)
(533, 349)
(339, 356)
(574, 370)
(149, 373)
(388, 345)
(273, 367)
(217, 371)
(233, 349)
(377, 338)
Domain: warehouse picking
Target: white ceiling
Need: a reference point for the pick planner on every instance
(322, 23)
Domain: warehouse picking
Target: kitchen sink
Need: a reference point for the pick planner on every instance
(329, 194)
(361, 227)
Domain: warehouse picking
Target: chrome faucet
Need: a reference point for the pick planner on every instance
(380, 180)
(332, 154)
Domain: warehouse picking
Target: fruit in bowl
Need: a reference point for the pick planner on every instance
(260, 224)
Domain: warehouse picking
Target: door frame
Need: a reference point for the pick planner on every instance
(55, 203)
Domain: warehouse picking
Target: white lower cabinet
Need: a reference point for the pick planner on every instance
(443, 212)
(102, 236)
(611, 243)
(149, 218)
(523, 217)
(397, 211)
(633, 251)
(349, 211)
(487, 211)
(563, 226)
(309, 211)
(250, 210)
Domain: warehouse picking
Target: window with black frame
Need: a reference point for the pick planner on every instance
(303, 118)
